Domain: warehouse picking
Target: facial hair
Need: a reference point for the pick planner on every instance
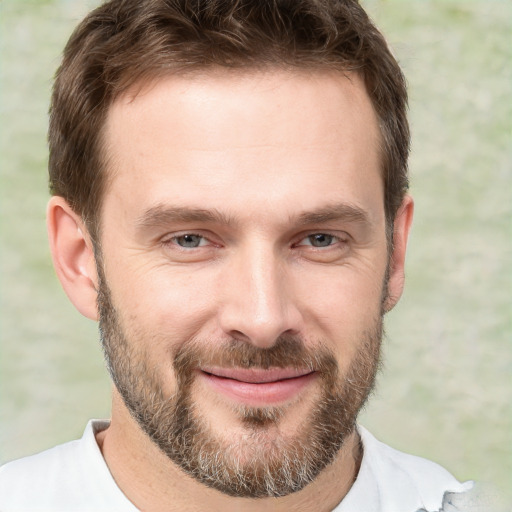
(264, 462)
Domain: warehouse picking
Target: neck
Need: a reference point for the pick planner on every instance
(151, 481)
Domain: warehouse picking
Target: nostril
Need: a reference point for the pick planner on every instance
(239, 336)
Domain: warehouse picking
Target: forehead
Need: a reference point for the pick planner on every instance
(250, 97)
(266, 134)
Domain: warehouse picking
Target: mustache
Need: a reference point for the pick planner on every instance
(286, 352)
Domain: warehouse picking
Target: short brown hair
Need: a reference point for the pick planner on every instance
(124, 42)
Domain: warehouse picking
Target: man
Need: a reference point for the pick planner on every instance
(229, 202)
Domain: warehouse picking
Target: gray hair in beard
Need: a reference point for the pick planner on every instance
(260, 464)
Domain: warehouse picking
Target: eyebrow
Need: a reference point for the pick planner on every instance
(162, 215)
(335, 212)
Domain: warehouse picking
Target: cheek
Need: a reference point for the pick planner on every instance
(342, 307)
(342, 291)
(168, 305)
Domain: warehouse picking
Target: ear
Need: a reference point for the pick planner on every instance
(401, 228)
(73, 256)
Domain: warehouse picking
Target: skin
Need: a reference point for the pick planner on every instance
(265, 151)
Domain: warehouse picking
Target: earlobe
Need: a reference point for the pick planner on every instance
(401, 229)
(73, 256)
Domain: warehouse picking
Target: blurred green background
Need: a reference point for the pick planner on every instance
(446, 389)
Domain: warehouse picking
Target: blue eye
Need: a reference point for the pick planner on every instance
(321, 240)
(189, 241)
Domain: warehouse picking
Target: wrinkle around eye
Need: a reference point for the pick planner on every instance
(337, 252)
(175, 252)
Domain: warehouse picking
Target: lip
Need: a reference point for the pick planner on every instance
(258, 387)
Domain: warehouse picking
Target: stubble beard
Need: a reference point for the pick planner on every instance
(264, 462)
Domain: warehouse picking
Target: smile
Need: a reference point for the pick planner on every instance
(258, 387)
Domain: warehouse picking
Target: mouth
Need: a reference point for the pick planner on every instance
(257, 387)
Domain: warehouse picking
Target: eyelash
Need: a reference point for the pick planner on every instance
(173, 240)
(336, 239)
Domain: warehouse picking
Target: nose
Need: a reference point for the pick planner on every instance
(257, 302)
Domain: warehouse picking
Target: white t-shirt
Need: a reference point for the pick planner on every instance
(74, 477)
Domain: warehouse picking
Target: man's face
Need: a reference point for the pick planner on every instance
(242, 270)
